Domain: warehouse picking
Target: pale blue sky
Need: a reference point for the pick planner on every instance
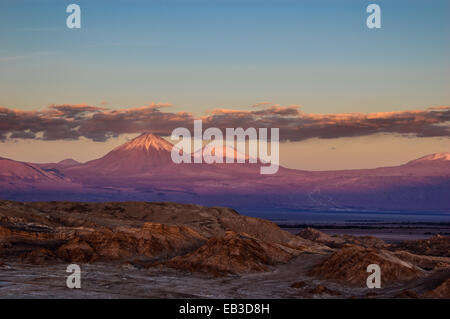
(200, 55)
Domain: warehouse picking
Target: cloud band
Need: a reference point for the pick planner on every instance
(68, 122)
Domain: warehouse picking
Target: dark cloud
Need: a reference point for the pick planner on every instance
(59, 122)
(23, 135)
(73, 111)
(62, 122)
(296, 125)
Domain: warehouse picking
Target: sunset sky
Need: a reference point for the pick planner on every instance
(343, 95)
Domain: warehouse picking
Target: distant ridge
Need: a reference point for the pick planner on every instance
(16, 173)
(68, 162)
(142, 169)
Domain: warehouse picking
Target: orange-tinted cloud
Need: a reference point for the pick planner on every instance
(98, 123)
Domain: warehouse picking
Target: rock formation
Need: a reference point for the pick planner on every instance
(349, 265)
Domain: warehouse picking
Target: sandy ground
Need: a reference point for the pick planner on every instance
(123, 281)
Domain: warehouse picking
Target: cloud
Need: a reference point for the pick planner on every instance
(262, 104)
(65, 121)
(73, 110)
(296, 125)
(69, 121)
(22, 135)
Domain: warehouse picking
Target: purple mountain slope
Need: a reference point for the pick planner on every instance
(142, 169)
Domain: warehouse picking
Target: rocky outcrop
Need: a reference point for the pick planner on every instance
(349, 266)
(77, 251)
(38, 257)
(102, 243)
(434, 246)
(424, 262)
(322, 290)
(442, 291)
(364, 241)
(337, 241)
(234, 253)
(320, 237)
(151, 232)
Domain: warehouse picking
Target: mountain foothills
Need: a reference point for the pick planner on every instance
(161, 249)
(142, 170)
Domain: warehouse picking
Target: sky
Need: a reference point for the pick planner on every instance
(306, 64)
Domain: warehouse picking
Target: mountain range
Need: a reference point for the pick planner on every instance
(142, 170)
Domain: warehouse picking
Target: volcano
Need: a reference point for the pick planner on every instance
(146, 161)
(142, 155)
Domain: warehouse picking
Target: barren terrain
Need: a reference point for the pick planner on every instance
(169, 250)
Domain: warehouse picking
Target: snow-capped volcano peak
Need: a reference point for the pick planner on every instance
(147, 142)
(444, 156)
(138, 156)
(433, 160)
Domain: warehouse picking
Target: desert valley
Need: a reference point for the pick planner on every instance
(168, 250)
